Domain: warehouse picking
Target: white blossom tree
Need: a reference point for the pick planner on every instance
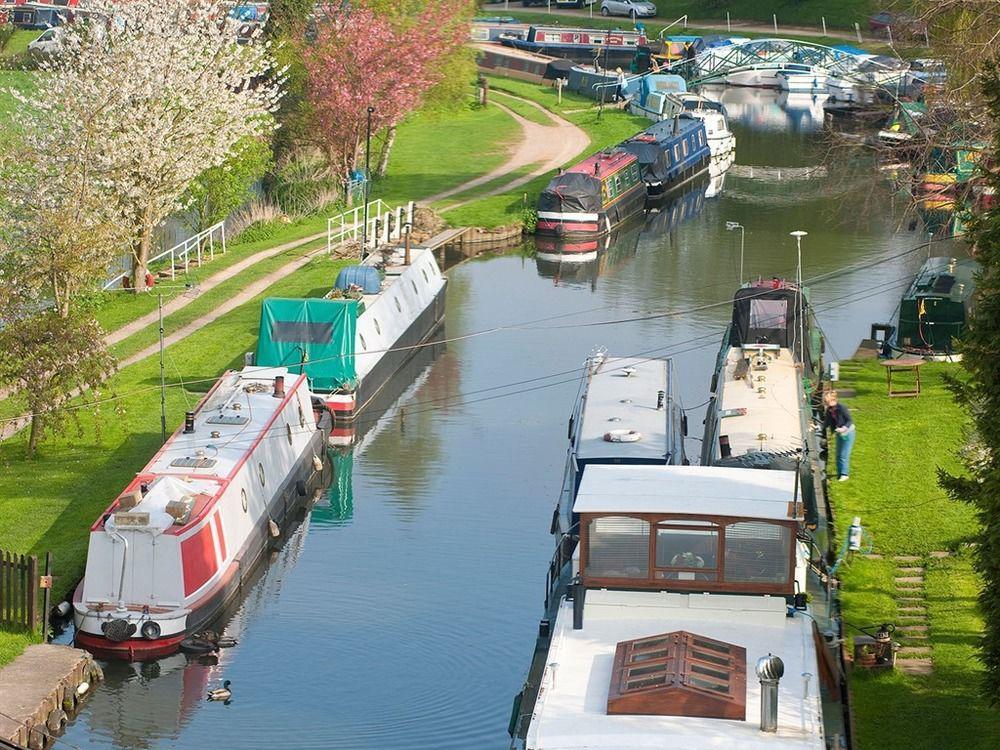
(147, 101)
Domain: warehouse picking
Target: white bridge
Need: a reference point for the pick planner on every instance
(717, 63)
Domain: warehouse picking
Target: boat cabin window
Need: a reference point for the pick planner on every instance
(676, 553)
(685, 145)
(768, 313)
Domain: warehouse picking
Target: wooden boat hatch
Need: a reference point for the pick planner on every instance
(679, 674)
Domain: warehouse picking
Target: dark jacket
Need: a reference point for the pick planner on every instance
(837, 416)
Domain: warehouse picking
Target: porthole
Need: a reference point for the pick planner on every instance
(377, 329)
(288, 429)
(424, 272)
(399, 307)
(243, 499)
(260, 473)
(414, 285)
(362, 340)
(302, 416)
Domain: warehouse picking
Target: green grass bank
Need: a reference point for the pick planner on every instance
(900, 445)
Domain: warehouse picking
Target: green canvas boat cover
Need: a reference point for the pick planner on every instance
(317, 332)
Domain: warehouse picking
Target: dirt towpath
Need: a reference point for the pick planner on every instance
(549, 146)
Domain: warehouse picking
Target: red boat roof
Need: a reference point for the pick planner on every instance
(604, 162)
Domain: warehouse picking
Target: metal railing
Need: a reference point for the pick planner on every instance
(385, 223)
(201, 244)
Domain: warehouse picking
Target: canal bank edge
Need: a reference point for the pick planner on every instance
(41, 690)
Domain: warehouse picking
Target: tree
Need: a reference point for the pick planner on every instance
(361, 58)
(49, 357)
(217, 192)
(166, 92)
(289, 22)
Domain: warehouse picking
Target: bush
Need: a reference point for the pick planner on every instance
(303, 185)
(6, 32)
(529, 219)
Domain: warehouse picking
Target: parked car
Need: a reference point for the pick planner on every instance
(45, 44)
(632, 8)
(901, 24)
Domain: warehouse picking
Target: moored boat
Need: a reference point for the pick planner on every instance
(176, 544)
(811, 80)
(353, 341)
(670, 153)
(934, 310)
(593, 197)
(613, 48)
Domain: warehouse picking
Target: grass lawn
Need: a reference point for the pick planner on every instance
(18, 42)
(901, 443)
(893, 487)
(524, 110)
(16, 80)
(58, 495)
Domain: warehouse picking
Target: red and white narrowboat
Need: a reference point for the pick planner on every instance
(176, 544)
(593, 197)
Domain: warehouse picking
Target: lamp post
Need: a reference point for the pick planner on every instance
(368, 151)
(730, 226)
(798, 234)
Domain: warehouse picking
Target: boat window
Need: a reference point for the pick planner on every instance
(607, 190)
(378, 330)
(618, 183)
(399, 307)
(701, 138)
(757, 551)
(768, 313)
(687, 554)
(362, 340)
(677, 152)
(288, 430)
(260, 473)
(243, 499)
(414, 285)
(618, 547)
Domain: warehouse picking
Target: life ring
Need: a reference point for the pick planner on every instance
(623, 436)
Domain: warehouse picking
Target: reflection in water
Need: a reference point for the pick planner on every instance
(769, 109)
(408, 618)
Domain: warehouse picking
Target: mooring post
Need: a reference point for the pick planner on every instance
(824, 25)
(46, 596)
(857, 30)
(774, 17)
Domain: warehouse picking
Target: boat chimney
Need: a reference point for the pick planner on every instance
(188, 422)
(661, 397)
(770, 668)
(279, 386)
(579, 592)
(406, 244)
(724, 450)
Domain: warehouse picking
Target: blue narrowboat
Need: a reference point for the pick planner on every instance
(670, 153)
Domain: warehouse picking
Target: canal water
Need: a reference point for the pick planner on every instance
(402, 611)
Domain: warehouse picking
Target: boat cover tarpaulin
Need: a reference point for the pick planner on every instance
(572, 192)
(319, 332)
(653, 161)
(763, 315)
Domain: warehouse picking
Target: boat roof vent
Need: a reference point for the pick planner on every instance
(193, 463)
(943, 284)
(234, 419)
(679, 674)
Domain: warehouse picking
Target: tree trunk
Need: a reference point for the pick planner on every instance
(383, 160)
(141, 257)
(34, 434)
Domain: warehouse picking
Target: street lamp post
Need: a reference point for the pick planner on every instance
(730, 226)
(798, 234)
(368, 151)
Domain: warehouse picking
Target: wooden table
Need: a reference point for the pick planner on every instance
(903, 364)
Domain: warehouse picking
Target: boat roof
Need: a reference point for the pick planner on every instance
(622, 395)
(571, 709)
(608, 161)
(944, 277)
(761, 404)
(698, 490)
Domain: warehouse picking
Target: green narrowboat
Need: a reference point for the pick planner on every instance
(935, 309)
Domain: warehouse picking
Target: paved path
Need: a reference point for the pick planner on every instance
(547, 146)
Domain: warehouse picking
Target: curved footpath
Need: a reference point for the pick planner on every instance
(548, 146)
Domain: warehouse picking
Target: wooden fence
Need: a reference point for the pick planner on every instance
(19, 589)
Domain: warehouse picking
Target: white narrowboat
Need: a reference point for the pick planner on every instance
(181, 538)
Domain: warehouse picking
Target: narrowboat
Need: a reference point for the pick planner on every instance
(670, 153)
(593, 197)
(612, 48)
(935, 309)
(656, 96)
(351, 342)
(179, 541)
(678, 620)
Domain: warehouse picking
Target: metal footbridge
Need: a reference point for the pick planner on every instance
(717, 63)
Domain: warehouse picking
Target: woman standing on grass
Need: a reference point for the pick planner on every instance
(839, 420)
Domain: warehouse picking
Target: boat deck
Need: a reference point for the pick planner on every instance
(571, 709)
(622, 395)
(758, 404)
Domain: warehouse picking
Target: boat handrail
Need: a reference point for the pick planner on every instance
(563, 554)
